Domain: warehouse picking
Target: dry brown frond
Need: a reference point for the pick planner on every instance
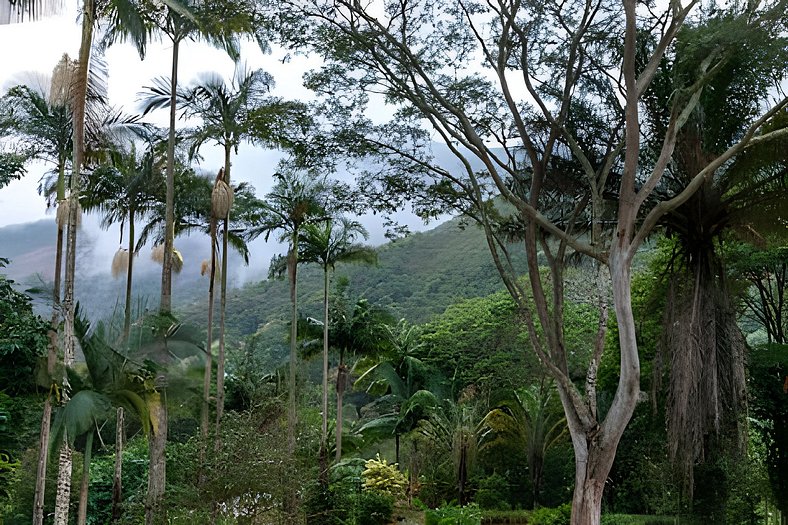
(221, 199)
(120, 262)
(63, 210)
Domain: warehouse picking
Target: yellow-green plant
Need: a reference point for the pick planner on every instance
(380, 476)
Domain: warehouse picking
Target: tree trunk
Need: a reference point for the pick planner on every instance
(169, 213)
(222, 310)
(46, 417)
(129, 274)
(157, 469)
(292, 263)
(324, 423)
(117, 479)
(82, 513)
(587, 497)
(41, 470)
(206, 384)
(63, 496)
(341, 380)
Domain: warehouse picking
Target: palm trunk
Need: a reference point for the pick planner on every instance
(292, 263)
(43, 443)
(206, 384)
(157, 469)
(341, 380)
(41, 470)
(222, 310)
(324, 428)
(63, 495)
(117, 479)
(80, 93)
(82, 513)
(129, 274)
(169, 213)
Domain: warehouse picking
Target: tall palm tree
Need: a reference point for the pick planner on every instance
(327, 244)
(124, 191)
(219, 23)
(532, 420)
(227, 114)
(296, 200)
(27, 10)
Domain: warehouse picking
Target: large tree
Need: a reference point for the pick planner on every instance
(547, 137)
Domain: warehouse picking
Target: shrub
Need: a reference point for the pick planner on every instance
(374, 508)
(493, 493)
(551, 516)
(451, 515)
(379, 476)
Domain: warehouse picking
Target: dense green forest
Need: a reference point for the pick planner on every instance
(593, 333)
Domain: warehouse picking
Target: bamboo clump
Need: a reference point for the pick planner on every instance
(120, 263)
(63, 209)
(177, 259)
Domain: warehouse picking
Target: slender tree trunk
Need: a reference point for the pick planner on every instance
(129, 274)
(324, 423)
(169, 213)
(341, 380)
(222, 310)
(82, 512)
(206, 383)
(46, 417)
(157, 469)
(117, 479)
(292, 262)
(63, 495)
(41, 470)
(80, 93)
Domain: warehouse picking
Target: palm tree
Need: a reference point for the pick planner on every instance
(17, 11)
(296, 200)
(226, 111)
(219, 23)
(531, 420)
(327, 244)
(124, 191)
(359, 329)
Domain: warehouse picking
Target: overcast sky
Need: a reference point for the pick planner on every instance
(39, 45)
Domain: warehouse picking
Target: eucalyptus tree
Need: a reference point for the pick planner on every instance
(329, 243)
(552, 128)
(296, 200)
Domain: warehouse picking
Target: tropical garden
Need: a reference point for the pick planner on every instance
(595, 333)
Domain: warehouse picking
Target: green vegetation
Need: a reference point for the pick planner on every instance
(596, 337)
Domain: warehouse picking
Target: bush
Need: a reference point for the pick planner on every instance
(551, 516)
(493, 493)
(374, 508)
(379, 476)
(451, 515)
(632, 519)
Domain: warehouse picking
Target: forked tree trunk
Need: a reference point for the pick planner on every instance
(117, 479)
(157, 468)
(82, 512)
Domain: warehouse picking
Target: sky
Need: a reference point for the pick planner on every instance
(41, 44)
